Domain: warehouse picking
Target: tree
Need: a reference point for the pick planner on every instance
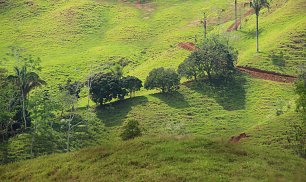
(131, 84)
(165, 79)
(131, 130)
(257, 5)
(105, 87)
(25, 82)
(213, 59)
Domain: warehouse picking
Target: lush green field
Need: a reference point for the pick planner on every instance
(185, 134)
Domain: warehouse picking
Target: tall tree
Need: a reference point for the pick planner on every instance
(25, 82)
(214, 59)
(257, 5)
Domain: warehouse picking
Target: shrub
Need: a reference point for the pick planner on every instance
(131, 130)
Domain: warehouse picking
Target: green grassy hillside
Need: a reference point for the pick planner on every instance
(185, 134)
(168, 158)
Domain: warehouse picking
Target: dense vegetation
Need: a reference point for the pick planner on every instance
(68, 67)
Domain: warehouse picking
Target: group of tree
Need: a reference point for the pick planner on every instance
(55, 109)
(15, 91)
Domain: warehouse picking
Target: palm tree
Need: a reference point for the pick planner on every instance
(25, 82)
(257, 5)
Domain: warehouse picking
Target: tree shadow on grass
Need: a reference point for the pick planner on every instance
(230, 94)
(114, 113)
(278, 59)
(251, 34)
(175, 100)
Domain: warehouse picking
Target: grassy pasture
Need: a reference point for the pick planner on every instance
(185, 133)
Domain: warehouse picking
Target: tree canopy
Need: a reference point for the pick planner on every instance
(167, 80)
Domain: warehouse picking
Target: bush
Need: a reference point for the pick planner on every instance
(167, 80)
(131, 130)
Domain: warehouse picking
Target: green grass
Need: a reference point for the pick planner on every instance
(167, 158)
(185, 134)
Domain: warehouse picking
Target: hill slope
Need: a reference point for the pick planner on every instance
(186, 133)
(163, 159)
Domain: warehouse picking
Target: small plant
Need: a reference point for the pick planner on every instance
(131, 130)
(279, 112)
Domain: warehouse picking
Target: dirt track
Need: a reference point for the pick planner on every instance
(232, 27)
(267, 75)
(254, 72)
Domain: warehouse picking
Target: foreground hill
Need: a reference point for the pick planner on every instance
(179, 158)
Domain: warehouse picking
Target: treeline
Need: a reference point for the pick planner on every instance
(51, 114)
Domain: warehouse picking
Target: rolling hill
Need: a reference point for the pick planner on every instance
(185, 135)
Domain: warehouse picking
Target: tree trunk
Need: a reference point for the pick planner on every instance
(23, 109)
(236, 21)
(257, 34)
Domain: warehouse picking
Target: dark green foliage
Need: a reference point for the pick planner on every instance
(214, 59)
(131, 84)
(131, 130)
(73, 88)
(6, 94)
(257, 5)
(189, 68)
(25, 81)
(106, 87)
(167, 80)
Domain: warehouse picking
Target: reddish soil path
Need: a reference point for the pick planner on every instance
(187, 45)
(232, 27)
(267, 75)
(254, 72)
